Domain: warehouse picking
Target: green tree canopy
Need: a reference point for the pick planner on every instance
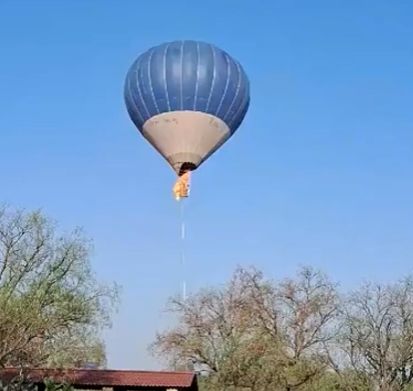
(52, 308)
(254, 334)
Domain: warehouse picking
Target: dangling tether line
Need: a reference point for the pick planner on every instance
(183, 255)
(181, 191)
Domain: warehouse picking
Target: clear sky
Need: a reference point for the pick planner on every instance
(320, 172)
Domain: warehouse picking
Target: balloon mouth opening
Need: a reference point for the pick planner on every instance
(185, 167)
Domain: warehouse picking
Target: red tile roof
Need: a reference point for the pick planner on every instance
(106, 378)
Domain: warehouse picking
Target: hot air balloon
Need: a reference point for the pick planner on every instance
(186, 98)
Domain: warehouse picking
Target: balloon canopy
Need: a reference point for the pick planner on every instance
(186, 98)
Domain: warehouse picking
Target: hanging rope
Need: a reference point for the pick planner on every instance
(181, 191)
(183, 257)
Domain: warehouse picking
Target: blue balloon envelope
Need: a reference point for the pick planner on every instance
(186, 98)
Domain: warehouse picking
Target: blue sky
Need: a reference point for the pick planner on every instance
(320, 172)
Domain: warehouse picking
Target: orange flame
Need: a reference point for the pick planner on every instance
(182, 186)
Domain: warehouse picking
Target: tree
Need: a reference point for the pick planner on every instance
(22, 382)
(52, 308)
(377, 337)
(254, 334)
(18, 384)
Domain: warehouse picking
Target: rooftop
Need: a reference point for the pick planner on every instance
(107, 378)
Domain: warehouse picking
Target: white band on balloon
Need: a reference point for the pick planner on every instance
(185, 136)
